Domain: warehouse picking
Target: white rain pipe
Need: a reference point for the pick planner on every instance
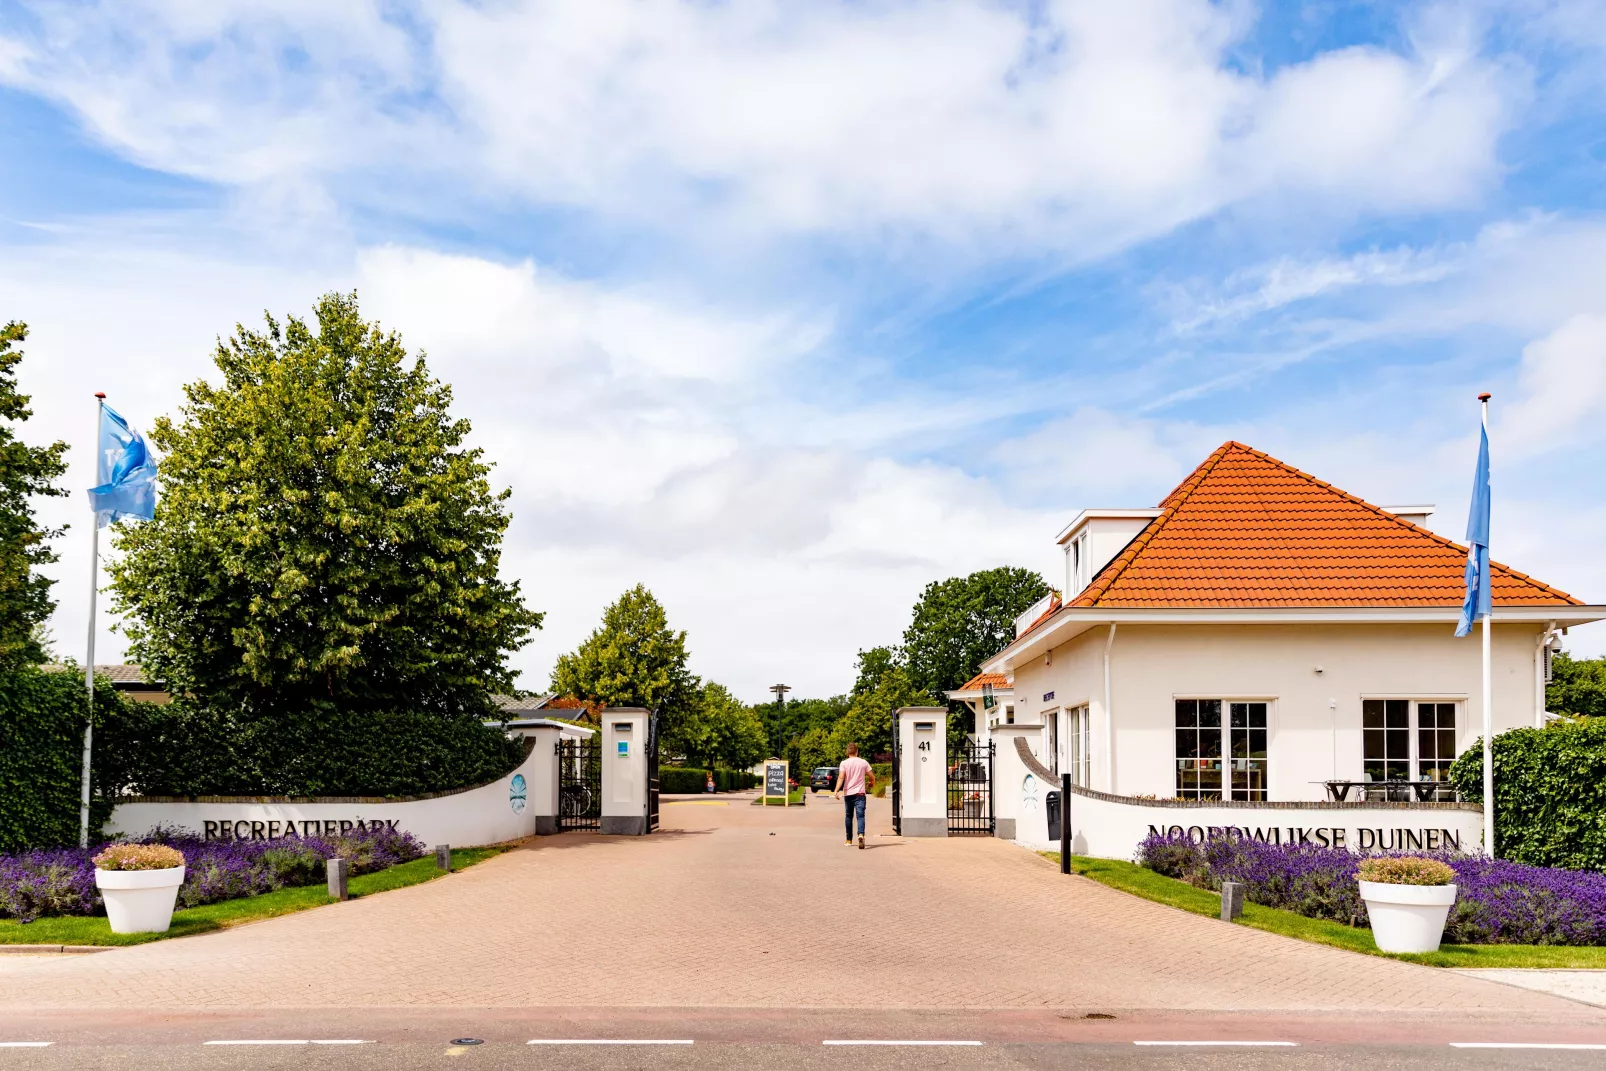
(1109, 718)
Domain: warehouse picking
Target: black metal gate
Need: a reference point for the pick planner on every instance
(897, 782)
(652, 772)
(970, 789)
(579, 784)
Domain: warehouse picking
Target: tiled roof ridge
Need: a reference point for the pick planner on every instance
(981, 679)
(1090, 595)
(1459, 548)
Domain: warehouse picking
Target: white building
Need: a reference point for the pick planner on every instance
(1261, 633)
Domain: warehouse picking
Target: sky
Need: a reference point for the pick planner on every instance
(786, 310)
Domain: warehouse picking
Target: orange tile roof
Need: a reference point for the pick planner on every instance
(981, 680)
(1246, 530)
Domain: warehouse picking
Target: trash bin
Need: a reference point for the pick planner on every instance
(1052, 806)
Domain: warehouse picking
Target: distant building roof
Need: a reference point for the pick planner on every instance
(123, 675)
(515, 705)
(1000, 682)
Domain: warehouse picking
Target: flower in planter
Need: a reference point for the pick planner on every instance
(1405, 870)
(122, 856)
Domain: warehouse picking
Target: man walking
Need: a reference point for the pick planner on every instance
(854, 778)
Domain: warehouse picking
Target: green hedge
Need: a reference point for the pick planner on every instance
(684, 779)
(1549, 793)
(41, 762)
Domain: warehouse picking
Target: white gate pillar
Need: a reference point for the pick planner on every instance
(624, 771)
(923, 777)
(543, 786)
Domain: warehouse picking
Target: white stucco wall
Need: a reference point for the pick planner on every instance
(489, 814)
(1153, 665)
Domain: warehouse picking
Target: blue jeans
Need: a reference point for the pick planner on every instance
(853, 805)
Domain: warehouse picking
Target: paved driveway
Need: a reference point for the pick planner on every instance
(738, 906)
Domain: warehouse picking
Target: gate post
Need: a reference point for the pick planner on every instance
(923, 771)
(624, 771)
(543, 787)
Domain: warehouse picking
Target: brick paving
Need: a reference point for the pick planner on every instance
(740, 906)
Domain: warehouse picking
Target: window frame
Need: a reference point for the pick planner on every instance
(1414, 760)
(1224, 759)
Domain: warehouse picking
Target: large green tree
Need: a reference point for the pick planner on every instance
(884, 684)
(633, 659)
(961, 622)
(720, 730)
(325, 546)
(1577, 686)
(25, 471)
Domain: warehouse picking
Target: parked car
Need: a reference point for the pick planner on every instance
(824, 778)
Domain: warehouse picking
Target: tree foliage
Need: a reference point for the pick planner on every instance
(323, 536)
(633, 659)
(1577, 686)
(883, 685)
(320, 582)
(961, 622)
(1550, 793)
(25, 471)
(785, 723)
(719, 730)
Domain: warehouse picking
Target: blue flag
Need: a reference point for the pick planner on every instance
(125, 470)
(1477, 602)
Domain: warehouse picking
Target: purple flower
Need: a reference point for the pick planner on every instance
(61, 881)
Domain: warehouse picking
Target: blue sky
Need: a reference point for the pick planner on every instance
(787, 309)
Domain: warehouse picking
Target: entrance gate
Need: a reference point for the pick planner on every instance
(652, 772)
(970, 789)
(580, 783)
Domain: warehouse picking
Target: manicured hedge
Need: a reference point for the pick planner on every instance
(683, 779)
(1550, 793)
(41, 755)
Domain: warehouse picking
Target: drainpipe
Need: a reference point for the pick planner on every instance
(1539, 673)
(1109, 718)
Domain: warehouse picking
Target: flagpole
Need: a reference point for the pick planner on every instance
(89, 665)
(1488, 696)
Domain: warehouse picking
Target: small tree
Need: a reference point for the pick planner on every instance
(870, 716)
(721, 730)
(961, 622)
(325, 550)
(25, 471)
(633, 659)
(1577, 686)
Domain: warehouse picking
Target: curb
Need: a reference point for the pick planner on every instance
(45, 950)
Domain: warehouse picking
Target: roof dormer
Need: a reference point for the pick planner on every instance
(1094, 538)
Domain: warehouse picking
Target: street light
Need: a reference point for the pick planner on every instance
(780, 691)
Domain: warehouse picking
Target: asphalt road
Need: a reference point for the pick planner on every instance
(714, 1040)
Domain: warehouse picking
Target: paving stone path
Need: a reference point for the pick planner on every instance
(732, 905)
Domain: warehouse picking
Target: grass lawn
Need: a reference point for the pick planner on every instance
(81, 930)
(1140, 881)
(795, 797)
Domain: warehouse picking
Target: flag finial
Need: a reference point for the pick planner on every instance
(1485, 396)
(101, 395)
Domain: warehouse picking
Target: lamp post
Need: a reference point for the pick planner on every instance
(780, 691)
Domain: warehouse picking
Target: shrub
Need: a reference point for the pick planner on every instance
(1550, 793)
(1405, 870)
(126, 856)
(682, 779)
(40, 782)
(1497, 901)
(62, 882)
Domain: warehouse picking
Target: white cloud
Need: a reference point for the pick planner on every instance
(1563, 383)
(1066, 126)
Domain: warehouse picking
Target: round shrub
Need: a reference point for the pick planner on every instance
(1405, 870)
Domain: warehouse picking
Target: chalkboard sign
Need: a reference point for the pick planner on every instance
(776, 781)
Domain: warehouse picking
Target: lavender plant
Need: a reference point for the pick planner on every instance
(62, 881)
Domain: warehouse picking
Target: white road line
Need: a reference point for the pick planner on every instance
(1270, 1044)
(291, 1041)
(24, 1044)
(607, 1041)
(859, 1042)
(1519, 1045)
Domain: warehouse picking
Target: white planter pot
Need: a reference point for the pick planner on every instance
(140, 901)
(1407, 918)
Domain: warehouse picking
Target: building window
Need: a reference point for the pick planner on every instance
(1009, 714)
(1248, 751)
(1080, 726)
(1387, 739)
(1203, 772)
(1051, 740)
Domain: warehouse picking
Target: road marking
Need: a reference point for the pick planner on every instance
(861, 1042)
(290, 1041)
(1519, 1045)
(606, 1041)
(24, 1044)
(1274, 1044)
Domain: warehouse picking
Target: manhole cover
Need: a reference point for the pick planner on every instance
(468, 1041)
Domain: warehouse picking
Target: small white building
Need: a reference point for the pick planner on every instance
(1261, 633)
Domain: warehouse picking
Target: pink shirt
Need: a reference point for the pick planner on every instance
(853, 771)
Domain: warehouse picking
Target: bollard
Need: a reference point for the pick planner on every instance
(1232, 900)
(443, 857)
(1065, 823)
(339, 872)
